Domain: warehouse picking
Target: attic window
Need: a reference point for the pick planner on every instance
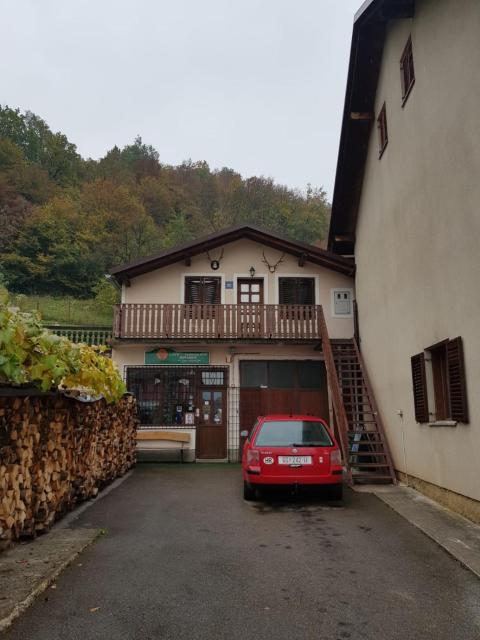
(407, 70)
(382, 130)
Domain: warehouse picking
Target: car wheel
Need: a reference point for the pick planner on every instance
(249, 492)
(335, 492)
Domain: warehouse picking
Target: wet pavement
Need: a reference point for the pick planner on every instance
(184, 557)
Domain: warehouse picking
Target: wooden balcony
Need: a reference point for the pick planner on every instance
(217, 322)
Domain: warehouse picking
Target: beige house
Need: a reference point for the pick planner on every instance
(212, 334)
(407, 207)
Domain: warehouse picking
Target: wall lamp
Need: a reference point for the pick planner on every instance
(252, 272)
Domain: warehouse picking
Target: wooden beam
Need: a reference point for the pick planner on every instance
(362, 117)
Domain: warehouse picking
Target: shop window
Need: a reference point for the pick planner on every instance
(170, 396)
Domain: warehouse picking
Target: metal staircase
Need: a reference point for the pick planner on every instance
(369, 458)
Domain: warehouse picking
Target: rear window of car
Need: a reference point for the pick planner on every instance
(285, 433)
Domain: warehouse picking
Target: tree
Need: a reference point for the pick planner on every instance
(65, 221)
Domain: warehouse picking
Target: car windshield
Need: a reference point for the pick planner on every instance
(285, 433)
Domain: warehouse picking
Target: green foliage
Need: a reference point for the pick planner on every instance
(51, 151)
(32, 355)
(65, 310)
(106, 295)
(66, 221)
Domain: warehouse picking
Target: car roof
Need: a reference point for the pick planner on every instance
(290, 416)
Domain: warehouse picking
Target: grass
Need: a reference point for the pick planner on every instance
(65, 310)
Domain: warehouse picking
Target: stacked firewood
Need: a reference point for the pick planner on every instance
(56, 451)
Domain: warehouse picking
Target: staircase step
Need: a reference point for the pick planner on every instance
(370, 465)
(373, 454)
(371, 478)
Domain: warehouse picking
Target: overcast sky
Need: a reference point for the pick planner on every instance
(255, 85)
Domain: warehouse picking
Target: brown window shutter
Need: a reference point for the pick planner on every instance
(296, 291)
(420, 396)
(456, 381)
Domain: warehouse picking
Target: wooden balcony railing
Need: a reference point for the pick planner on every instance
(217, 321)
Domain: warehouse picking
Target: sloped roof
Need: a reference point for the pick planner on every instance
(308, 252)
(358, 114)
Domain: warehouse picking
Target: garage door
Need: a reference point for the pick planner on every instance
(282, 386)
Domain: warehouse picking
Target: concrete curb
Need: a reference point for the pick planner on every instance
(77, 540)
(89, 535)
(456, 535)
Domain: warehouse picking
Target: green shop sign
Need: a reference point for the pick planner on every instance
(170, 356)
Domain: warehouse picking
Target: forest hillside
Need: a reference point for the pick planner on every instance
(66, 220)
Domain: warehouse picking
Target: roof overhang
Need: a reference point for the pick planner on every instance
(358, 115)
(305, 252)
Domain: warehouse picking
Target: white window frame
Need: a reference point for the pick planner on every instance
(332, 297)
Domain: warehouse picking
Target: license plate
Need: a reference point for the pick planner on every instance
(294, 459)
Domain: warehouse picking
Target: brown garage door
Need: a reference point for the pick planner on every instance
(282, 386)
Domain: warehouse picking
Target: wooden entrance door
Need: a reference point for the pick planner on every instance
(211, 436)
(250, 291)
(249, 299)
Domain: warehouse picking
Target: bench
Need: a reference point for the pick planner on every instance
(169, 436)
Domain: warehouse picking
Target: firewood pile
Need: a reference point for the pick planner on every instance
(56, 451)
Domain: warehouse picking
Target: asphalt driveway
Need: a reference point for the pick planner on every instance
(184, 557)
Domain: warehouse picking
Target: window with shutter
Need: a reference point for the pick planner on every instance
(420, 395)
(382, 130)
(457, 390)
(296, 291)
(202, 290)
(407, 70)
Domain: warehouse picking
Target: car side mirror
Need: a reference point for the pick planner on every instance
(244, 434)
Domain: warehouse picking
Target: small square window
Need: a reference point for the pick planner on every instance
(407, 70)
(382, 130)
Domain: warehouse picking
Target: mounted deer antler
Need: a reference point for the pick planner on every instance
(215, 263)
(272, 267)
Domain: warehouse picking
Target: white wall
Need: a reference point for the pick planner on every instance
(166, 285)
(417, 248)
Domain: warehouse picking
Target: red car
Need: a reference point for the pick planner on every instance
(291, 450)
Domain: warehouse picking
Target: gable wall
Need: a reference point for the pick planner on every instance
(417, 247)
(166, 285)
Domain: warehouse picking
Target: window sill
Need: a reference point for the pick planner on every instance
(443, 423)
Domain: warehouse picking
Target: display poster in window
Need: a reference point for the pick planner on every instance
(165, 355)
